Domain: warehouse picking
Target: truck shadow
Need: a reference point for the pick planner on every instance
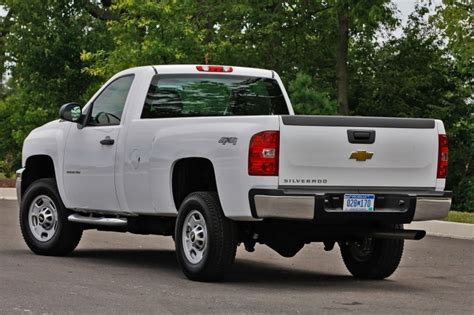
(244, 273)
(131, 258)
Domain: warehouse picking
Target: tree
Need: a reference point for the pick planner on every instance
(342, 72)
(455, 20)
(42, 52)
(308, 100)
(147, 33)
(416, 76)
(356, 19)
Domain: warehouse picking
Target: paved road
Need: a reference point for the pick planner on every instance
(123, 273)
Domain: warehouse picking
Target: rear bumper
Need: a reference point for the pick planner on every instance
(431, 208)
(326, 206)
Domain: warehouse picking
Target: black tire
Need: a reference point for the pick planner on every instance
(66, 236)
(219, 254)
(379, 262)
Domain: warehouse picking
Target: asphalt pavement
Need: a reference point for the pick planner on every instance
(125, 273)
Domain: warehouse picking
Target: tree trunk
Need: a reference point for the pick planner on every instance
(341, 63)
(102, 13)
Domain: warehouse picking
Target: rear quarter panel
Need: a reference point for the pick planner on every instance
(162, 142)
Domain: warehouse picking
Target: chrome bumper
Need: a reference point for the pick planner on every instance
(285, 207)
(280, 204)
(429, 208)
(19, 173)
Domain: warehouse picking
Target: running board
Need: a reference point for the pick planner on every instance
(77, 218)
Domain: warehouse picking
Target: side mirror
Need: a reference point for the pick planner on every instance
(71, 112)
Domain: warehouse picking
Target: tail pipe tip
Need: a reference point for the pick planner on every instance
(400, 234)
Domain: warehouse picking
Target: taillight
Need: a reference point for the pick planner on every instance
(442, 156)
(207, 68)
(264, 150)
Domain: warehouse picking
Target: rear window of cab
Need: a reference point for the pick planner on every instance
(212, 95)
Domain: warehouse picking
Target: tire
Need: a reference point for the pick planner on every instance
(43, 220)
(379, 262)
(214, 242)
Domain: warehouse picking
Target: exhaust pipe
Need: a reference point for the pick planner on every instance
(97, 221)
(400, 234)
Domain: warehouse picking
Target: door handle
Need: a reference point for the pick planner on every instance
(361, 136)
(107, 141)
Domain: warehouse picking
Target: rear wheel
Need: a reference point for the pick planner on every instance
(205, 239)
(43, 220)
(371, 258)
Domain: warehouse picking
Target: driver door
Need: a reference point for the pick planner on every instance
(89, 158)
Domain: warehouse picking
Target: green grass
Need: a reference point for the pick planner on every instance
(2, 176)
(462, 217)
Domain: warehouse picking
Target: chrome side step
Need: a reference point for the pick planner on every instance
(97, 221)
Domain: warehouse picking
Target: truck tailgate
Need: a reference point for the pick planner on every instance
(317, 151)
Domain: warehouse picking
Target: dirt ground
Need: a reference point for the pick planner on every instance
(6, 183)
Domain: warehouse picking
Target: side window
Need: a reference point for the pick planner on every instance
(108, 106)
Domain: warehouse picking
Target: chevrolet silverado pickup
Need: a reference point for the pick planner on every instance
(215, 157)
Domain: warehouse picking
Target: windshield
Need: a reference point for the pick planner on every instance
(213, 95)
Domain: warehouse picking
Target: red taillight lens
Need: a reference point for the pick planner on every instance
(442, 156)
(264, 150)
(207, 68)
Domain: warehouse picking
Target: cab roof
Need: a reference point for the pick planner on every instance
(204, 69)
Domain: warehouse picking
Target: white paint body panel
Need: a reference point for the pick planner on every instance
(89, 176)
(49, 140)
(161, 144)
(402, 157)
(134, 175)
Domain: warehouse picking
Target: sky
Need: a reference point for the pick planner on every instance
(406, 7)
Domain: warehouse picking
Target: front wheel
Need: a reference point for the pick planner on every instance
(206, 241)
(43, 220)
(371, 258)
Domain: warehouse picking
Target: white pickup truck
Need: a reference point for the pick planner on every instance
(215, 157)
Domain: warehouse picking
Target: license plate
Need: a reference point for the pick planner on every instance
(358, 202)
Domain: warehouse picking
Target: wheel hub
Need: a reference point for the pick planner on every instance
(194, 237)
(43, 218)
(362, 250)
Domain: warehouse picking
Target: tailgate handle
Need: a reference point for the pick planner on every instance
(361, 136)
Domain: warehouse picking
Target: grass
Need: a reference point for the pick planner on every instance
(2, 176)
(462, 217)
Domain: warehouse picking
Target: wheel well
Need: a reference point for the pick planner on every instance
(37, 167)
(190, 175)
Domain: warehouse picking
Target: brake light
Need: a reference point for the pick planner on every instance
(442, 156)
(207, 68)
(264, 150)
